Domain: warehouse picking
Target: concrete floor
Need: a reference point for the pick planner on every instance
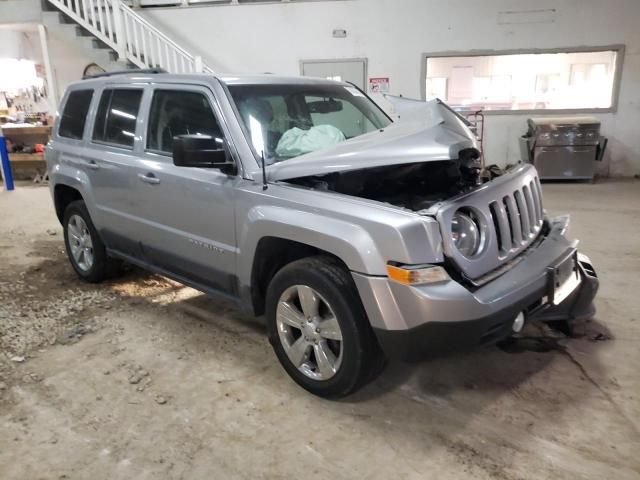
(140, 378)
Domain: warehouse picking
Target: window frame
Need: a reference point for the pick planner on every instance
(214, 92)
(87, 119)
(176, 88)
(615, 91)
(116, 86)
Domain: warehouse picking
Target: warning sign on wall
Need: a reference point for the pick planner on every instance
(379, 85)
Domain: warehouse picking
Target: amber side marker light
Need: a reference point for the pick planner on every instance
(417, 274)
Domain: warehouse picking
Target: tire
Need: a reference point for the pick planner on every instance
(329, 367)
(76, 220)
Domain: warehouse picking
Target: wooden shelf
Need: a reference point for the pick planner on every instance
(15, 131)
(26, 157)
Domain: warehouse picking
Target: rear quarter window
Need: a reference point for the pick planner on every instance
(74, 115)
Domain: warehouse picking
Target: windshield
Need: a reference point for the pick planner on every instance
(286, 121)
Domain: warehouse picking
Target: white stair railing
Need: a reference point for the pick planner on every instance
(130, 36)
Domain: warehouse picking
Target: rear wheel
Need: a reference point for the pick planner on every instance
(84, 247)
(318, 328)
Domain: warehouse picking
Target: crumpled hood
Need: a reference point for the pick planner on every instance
(425, 132)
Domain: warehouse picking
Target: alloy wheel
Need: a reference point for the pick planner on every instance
(80, 242)
(309, 332)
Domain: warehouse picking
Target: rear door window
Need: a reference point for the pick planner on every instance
(117, 115)
(179, 112)
(74, 115)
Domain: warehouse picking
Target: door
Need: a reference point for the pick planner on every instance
(188, 210)
(352, 70)
(110, 164)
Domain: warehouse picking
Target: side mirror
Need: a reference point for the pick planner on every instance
(200, 151)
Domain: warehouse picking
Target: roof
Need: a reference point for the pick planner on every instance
(268, 79)
(229, 79)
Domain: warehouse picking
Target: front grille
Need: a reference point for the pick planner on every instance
(517, 217)
(509, 210)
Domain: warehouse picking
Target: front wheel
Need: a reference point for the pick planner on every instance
(318, 328)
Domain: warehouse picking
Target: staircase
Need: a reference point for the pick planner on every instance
(120, 37)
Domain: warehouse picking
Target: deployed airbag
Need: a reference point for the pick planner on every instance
(295, 142)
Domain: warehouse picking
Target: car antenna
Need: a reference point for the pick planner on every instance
(264, 173)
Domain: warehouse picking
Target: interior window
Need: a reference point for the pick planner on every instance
(74, 115)
(176, 112)
(117, 115)
(552, 80)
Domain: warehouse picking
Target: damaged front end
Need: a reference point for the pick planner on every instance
(426, 157)
(413, 186)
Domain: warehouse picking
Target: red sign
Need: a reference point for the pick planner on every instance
(379, 85)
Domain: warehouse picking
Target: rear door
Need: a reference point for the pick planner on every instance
(110, 158)
(189, 211)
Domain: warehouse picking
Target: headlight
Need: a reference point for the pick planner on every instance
(465, 233)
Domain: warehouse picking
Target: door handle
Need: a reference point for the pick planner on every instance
(93, 165)
(149, 178)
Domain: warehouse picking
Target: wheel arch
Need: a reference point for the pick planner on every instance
(271, 255)
(274, 237)
(63, 195)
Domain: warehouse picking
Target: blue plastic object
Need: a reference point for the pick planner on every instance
(7, 174)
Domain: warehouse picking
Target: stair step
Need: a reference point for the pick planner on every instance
(100, 45)
(83, 32)
(47, 7)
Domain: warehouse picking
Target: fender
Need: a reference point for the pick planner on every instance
(347, 241)
(65, 171)
(406, 239)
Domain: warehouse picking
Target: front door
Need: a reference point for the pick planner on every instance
(354, 71)
(189, 211)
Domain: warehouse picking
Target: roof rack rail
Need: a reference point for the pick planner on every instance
(126, 72)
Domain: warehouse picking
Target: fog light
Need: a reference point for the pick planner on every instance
(417, 274)
(518, 323)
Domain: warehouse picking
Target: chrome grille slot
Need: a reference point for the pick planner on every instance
(536, 203)
(524, 214)
(501, 225)
(537, 194)
(526, 192)
(514, 220)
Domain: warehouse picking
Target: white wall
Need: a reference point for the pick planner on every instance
(393, 34)
(11, 43)
(23, 42)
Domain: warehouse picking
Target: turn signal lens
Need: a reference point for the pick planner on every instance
(417, 274)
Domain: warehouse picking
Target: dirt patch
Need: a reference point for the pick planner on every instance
(44, 303)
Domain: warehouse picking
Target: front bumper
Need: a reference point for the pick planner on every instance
(422, 321)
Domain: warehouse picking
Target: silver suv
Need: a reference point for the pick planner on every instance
(358, 238)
